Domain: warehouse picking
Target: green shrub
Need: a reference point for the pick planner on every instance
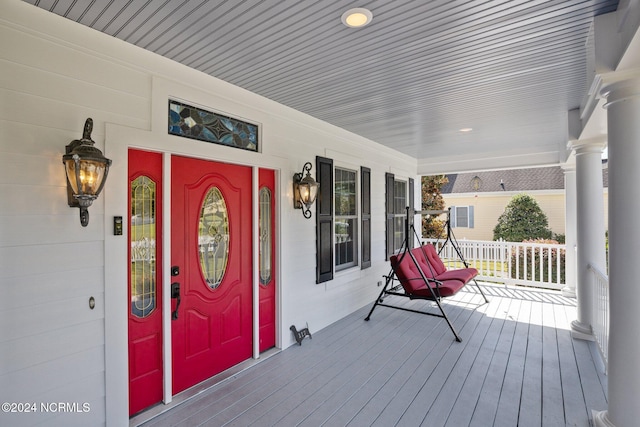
(522, 220)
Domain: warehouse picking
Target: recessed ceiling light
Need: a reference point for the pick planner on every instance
(466, 129)
(357, 17)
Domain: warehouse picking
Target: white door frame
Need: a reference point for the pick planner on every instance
(118, 140)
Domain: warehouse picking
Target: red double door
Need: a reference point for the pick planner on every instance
(211, 285)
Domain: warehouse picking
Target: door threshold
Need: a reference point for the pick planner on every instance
(184, 396)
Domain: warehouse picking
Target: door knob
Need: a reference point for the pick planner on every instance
(175, 294)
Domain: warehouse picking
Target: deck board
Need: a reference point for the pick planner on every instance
(465, 403)
(438, 338)
(511, 387)
(552, 404)
(487, 405)
(415, 388)
(517, 365)
(531, 402)
(576, 412)
(441, 391)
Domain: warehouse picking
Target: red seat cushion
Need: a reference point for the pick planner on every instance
(434, 259)
(429, 270)
(407, 272)
(414, 284)
(446, 289)
(465, 275)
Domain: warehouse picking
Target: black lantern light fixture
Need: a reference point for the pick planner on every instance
(305, 190)
(86, 169)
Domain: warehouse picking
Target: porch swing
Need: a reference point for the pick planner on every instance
(422, 274)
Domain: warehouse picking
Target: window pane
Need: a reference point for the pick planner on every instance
(346, 236)
(462, 216)
(143, 246)
(346, 218)
(213, 237)
(400, 197)
(345, 194)
(398, 233)
(265, 236)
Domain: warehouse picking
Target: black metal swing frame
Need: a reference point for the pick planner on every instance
(405, 249)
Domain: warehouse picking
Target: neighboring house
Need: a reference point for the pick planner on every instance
(477, 199)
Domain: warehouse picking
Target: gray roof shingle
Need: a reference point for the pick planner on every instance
(546, 178)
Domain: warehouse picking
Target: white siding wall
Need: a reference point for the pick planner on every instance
(53, 75)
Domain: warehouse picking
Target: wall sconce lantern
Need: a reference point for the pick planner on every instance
(305, 190)
(86, 169)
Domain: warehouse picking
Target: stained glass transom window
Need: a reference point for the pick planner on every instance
(213, 237)
(266, 234)
(196, 123)
(143, 246)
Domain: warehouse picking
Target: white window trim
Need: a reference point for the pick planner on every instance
(470, 216)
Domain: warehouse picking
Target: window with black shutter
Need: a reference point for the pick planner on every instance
(337, 219)
(324, 220)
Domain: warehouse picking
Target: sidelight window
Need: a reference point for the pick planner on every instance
(143, 246)
(266, 236)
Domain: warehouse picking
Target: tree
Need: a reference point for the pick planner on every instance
(433, 226)
(522, 219)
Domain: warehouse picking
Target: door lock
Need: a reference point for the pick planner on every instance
(175, 294)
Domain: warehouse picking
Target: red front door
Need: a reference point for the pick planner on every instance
(145, 280)
(211, 257)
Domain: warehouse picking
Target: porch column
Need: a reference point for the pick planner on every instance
(590, 230)
(570, 230)
(623, 122)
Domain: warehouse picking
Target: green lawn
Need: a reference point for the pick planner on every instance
(481, 266)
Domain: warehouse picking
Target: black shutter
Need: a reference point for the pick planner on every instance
(389, 179)
(365, 195)
(412, 216)
(324, 220)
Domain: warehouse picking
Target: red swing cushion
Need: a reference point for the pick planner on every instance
(465, 275)
(433, 268)
(446, 289)
(433, 258)
(441, 273)
(414, 284)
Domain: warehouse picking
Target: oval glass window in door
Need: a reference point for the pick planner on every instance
(265, 236)
(213, 237)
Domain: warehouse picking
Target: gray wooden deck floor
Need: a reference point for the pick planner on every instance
(516, 366)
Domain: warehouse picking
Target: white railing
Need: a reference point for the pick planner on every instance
(601, 311)
(531, 264)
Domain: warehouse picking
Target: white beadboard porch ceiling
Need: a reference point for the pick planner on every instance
(420, 72)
